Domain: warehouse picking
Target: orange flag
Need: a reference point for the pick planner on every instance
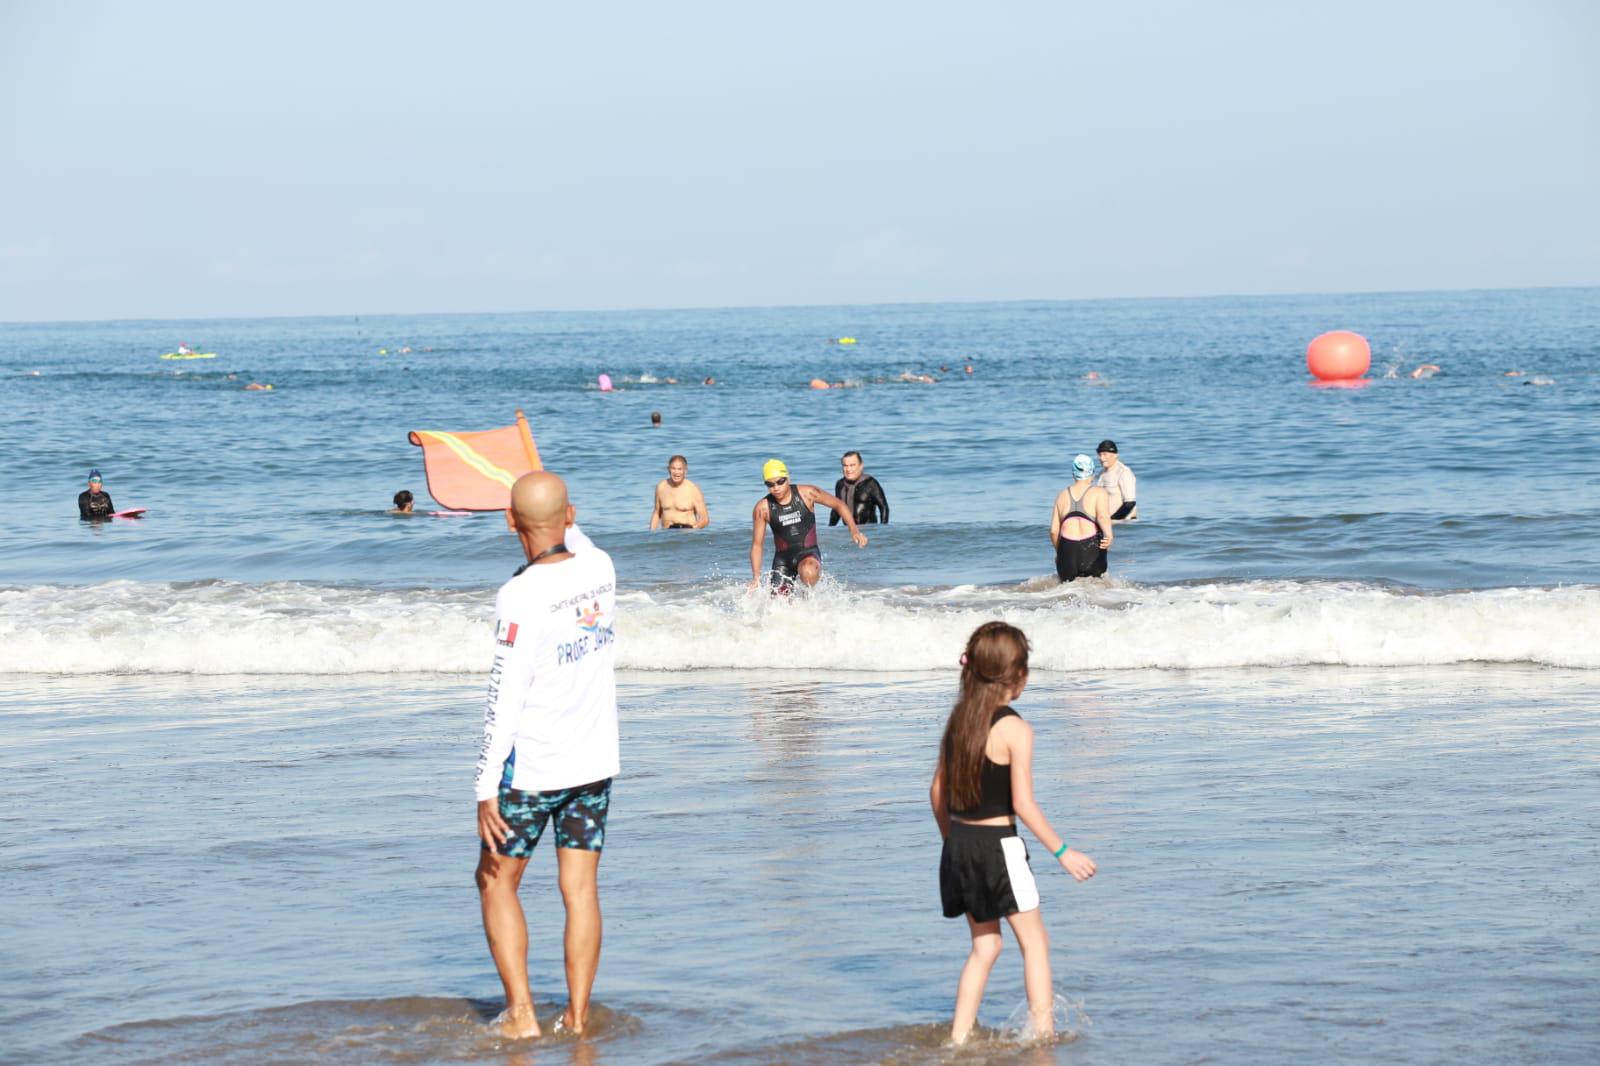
(475, 471)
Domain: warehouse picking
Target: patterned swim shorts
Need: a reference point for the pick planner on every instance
(580, 815)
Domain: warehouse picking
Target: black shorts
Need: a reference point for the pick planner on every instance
(786, 565)
(1080, 558)
(984, 872)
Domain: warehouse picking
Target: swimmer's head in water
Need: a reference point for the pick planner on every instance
(402, 499)
(1082, 467)
(773, 469)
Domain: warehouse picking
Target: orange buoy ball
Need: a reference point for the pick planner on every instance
(1338, 356)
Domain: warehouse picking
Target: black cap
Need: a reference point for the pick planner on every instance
(1107, 446)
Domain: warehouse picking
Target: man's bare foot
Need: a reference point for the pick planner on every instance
(567, 1023)
(516, 1023)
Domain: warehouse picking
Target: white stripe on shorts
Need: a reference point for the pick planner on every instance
(1018, 874)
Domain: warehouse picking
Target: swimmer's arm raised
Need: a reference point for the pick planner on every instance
(815, 496)
(1018, 737)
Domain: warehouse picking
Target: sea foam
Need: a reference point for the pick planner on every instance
(295, 628)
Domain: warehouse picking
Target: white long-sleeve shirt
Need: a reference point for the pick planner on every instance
(551, 721)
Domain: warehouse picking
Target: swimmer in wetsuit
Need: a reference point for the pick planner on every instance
(860, 492)
(94, 503)
(786, 510)
(1080, 527)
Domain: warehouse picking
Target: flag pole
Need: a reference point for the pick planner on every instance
(527, 440)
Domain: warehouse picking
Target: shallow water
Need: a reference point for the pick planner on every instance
(1328, 728)
(1338, 864)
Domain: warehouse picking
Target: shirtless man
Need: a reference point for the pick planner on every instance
(786, 508)
(679, 503)
(1080, 526)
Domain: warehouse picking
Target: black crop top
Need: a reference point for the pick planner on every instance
(995, 798)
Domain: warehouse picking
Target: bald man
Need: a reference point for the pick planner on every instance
(549, 745)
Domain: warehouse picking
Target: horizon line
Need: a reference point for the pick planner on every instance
(790, 307)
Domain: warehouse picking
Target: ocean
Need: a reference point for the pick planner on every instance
(1328, 726)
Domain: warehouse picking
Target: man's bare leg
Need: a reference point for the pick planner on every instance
(507, 931)
(810, 570)
(578, 870)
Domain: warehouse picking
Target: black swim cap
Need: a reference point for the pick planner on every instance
(1107, 446)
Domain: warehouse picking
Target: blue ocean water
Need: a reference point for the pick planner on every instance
(1254, 484)
(1327, 727)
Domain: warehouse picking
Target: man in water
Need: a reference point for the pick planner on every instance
(786, 508)
(403, 502)
(861, 493)
(1119, 483)
(679, 502)
(1080, 527)
(550, 746)
(94, 503)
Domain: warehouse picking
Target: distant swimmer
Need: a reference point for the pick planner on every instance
(1426, 370)
(94, 503)
(1080, 527)
(982, 786)
(1119, 483)
(786, 510)
(679, 502)
(919, 379)
(550, 746)
(709, 381)
(655, 419)
(403, 502)
(256, 386)
(861, 493)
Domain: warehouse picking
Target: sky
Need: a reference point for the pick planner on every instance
(194, 160)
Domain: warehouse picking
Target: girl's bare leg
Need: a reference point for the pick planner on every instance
(974, 976)
(1034, 941)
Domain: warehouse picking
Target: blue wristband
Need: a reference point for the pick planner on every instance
(1062, 850)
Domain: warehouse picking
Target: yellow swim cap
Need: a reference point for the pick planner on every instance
(773, 468)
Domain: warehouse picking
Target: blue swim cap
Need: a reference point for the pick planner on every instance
(94, 475)
(1083, 467)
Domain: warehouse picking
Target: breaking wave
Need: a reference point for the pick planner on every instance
(223, 627)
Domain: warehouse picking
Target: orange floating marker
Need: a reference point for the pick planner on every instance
(1338, 356)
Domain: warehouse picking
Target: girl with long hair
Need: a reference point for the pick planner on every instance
(983, 783)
